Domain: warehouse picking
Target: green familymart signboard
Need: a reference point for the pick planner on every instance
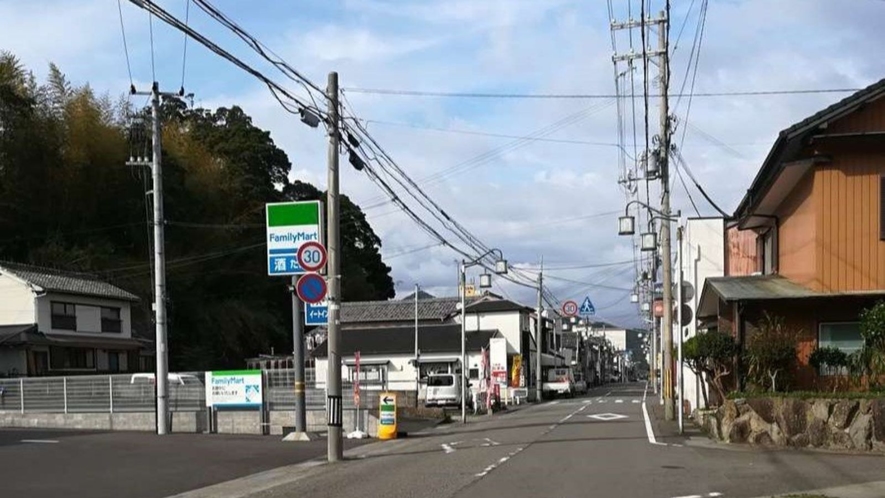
(290, 224)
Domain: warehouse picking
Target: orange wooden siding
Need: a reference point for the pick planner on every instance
(850, 254)
(870, 117)
(797, 234)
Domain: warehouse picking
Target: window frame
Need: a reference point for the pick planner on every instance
(111, 325)
(64, 320)
(820, 326)
(66, 363)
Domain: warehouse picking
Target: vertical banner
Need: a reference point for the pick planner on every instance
(516, 372)
(498, 360)
(356, 382)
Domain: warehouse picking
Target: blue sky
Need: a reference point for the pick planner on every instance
(528, 201)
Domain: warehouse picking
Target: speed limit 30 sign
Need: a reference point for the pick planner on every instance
(569, 308)
(312, 256)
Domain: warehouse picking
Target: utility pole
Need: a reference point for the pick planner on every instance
(298, 360)
(663, 158)
(539, 380)
(335, 443)
(417, 352)
(679, 370)
(156, 165)
(465, 370)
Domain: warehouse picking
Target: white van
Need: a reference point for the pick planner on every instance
(443, 390)
(171, 378)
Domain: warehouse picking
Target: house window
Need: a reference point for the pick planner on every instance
(844, 336)
(110, 320)
(71, 358)
(64, 316)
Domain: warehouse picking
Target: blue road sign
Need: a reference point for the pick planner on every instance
(316, 314)
(587, 308)
(311, 288)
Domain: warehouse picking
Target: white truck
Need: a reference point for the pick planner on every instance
(560, 382)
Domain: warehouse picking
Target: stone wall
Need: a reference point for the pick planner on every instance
(837, 424)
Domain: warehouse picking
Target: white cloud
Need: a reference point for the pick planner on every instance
(530, 200)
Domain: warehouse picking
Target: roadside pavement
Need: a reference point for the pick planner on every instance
(43, 463)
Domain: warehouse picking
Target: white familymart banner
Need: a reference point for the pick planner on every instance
(234, 388)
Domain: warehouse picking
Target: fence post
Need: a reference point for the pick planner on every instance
(64, 384)
(21, 393)
(111, 393)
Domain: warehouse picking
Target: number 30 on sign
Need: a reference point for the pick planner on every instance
(312, 256)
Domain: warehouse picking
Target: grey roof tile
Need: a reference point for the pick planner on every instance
(65, 281)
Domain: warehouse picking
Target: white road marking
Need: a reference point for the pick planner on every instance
(648, 429)
(554, 402)
(714, 494)
(605, 417)
(636, 401)
(40, 441)
(587, 401)
(603, 401)
(619, 401)
(710, 495)
(493, 443)
(689, 496)
(447, 448)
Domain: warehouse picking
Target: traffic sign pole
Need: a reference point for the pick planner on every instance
(298, 360)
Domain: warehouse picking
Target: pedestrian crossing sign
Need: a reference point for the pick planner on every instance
(587, 308)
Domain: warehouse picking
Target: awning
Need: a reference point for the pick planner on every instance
(367, 361)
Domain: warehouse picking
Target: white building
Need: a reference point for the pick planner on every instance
(54, 322)
(703, 256)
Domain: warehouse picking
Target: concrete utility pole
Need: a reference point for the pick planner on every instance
(298, 360)
(539, 379)
(417, 352)
(159, 269)
(663, 158)
(335, 443)
(156, 165)
(465, 371)
(679, 372)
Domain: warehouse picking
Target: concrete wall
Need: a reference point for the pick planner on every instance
(228, 422)
(509, 324)
(16, 302)
(703, 256)
(88, 315)
(181, 421)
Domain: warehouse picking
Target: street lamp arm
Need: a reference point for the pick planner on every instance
(477, 261)
(660, 214)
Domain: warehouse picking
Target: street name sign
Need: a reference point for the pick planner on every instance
(587, 308)
(289, 225)
(234, 388)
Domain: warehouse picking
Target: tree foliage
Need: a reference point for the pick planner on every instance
(711, 354)
(67, 200)
(770, 352)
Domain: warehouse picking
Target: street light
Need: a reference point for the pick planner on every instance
(649, 241)
(634, 298)
(626, 225)
(485, 281)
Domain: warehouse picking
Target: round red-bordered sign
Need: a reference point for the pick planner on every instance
(311, 288)
(312, 256)
(569, 308)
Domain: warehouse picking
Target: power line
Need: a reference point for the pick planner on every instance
(125, 45)
(681, 160)
(589, 96)
(187, 15)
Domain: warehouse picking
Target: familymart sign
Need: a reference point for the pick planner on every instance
(290, 224)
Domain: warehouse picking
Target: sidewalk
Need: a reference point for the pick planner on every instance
(668, 431)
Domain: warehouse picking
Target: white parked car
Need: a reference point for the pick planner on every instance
(171, 378)
(443, 390)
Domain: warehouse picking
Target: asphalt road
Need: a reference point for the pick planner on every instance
(597, 445)
(53, 463)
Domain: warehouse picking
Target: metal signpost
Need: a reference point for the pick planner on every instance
(294, 232)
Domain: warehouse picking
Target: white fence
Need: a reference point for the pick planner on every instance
(120, 393)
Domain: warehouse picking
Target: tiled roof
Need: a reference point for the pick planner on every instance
(401, 340)
(49, 279)
(496, 305)
(396, 311)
